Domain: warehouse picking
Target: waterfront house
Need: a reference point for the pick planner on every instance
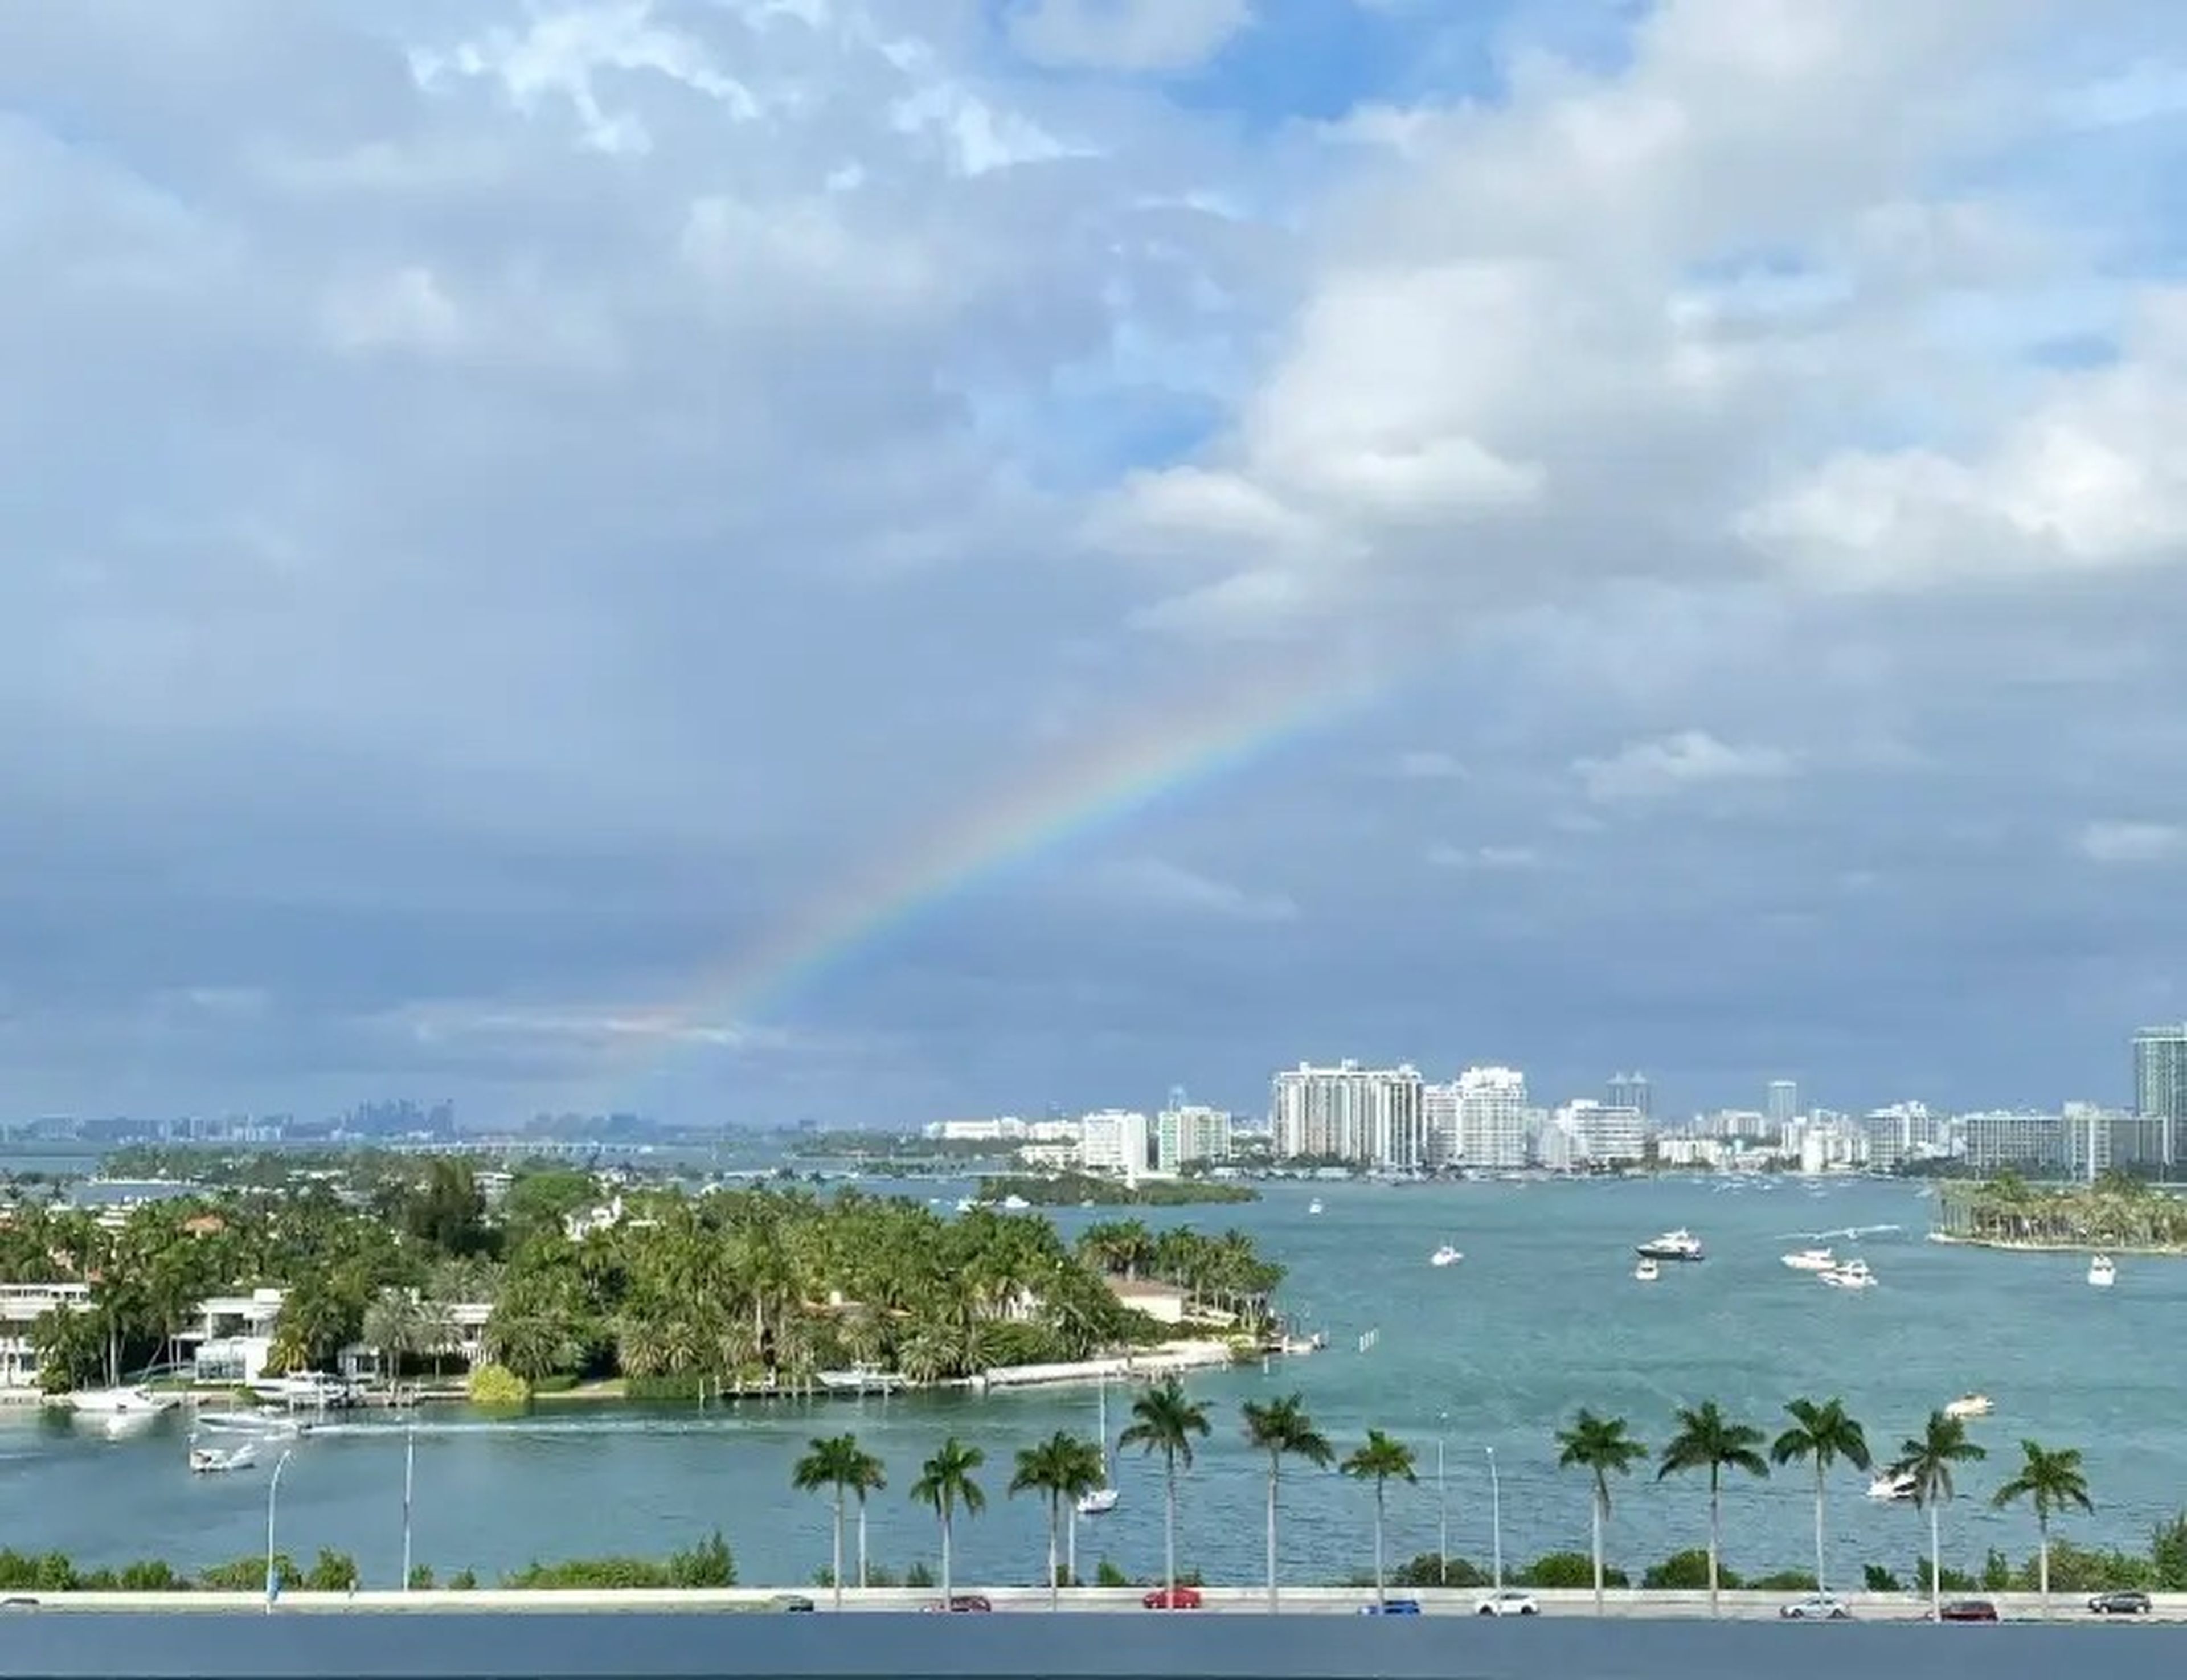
(21, 1306)
(232, 1337)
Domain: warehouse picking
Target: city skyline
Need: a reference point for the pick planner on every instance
(749, 561)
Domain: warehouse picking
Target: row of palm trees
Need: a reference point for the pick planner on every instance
(1820, 1434)
(1167, 1420)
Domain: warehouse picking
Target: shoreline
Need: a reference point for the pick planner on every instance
(2009, 1245)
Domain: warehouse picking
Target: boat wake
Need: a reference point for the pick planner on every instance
(1852, 1234)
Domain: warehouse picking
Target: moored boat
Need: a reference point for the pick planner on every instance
(2102, 1273)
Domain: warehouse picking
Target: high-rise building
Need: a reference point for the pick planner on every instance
(2160, 1086)
(1599, 1134)
(1113, 1140)
(1784, 1103)
(1439, 1123)
(1492, 1118)
(2019, 1140)
(1630, 1091)
(1189, 1132)
(1365, 1116)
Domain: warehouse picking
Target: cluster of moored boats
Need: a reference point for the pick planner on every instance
(127, 1407)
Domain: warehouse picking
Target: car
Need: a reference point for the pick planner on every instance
(1967, 1609)
(2120, 1604)
(1172, 1598)
(1816, 1607)
(961, 1603)
(1392, 1607)
(1511, 1601)
(793, 1602)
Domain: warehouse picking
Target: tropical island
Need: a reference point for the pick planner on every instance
(2116, 1212)
(1093, 1189)
(651, 1291)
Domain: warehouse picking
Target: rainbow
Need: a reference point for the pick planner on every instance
(1078, 795)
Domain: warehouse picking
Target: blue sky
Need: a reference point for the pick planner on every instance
(519, 505)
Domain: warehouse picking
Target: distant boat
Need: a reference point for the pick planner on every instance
(1647, 1272)
(1899, 1485)
(1681, 1245)
(113, 1402)
(218, 1460)
(1445, 1255)
(1097, 1502)
(1811, 1260)
(1314, 1206)
(1015, 1204)
(2102, 1274)
(1969, 1405)
(860, 1379)
(1849, 1274)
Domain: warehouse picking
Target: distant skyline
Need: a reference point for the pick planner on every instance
(737, 560)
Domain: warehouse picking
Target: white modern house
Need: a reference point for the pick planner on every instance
(21, 1306)
(232, 1337)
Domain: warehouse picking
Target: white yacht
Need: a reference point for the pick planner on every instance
(1647, 1271)
(1891, 1485)
(1445, 1255)
(1681, 1245)
(1848, 1274)
(113, 1402)
(1015, 1204)
(1969, 1405)
(1097, 1502)
(1811, 1260)
(2102, 1274)
(861, 1379)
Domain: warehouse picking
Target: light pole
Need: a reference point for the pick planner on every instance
(409, 1470)
(1496, 1515)
(273, 1492)
(1442, 1508)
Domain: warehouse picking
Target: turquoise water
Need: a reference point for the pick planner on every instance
(1542, 1316)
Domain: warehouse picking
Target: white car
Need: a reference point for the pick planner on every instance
(1816, 1607)
(1509, 1602)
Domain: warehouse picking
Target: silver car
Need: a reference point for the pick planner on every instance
(1816, 1607)
(1509, 1602)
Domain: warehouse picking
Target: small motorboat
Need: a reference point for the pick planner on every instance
(1850, 1274)
(1647, 1272)
(218, 1460)
(1445, 1255)
(2102, 1273)
(1314, 1206)
(1811, 1260)
(1897, 1485)
(1969, 1405)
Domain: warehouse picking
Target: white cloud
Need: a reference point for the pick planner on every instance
(1159, 884)
(1672, 764)
(1127, 35)
(1487, 857)
(2130, 842)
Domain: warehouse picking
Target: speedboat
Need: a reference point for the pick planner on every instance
(1850, 1274)
(1895, 1484)
(1314, 1206)
(1647, 1271)
(1681, 1245)
(1811, 1260)
(2102, 1274)
(112, 1402)
(217, 1460)
(1969, 1405)
(1445, 1255)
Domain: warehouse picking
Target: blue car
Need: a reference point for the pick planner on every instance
(1392, 1607)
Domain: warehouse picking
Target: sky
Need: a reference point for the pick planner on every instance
(879, 559)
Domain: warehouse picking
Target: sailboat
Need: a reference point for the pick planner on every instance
(1099, 1501)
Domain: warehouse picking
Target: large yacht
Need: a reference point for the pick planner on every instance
(1811, 1260)
(1969, 1405)
(1848, 1274)
(2102, 1274)
(1681, 1245)
(122, 1401)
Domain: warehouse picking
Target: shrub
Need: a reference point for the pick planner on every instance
(248, 1574)
(1952, 1580)
(1570, 1569)
(421, 1578)
(1430, 1569)
(682, 1388)
(331, 1572)
(1784, 1580)
(2167, 1553)
(919, 1576)
(1106, 1573)
(464, 1580)
(1687, 1571)
(497, 1387)
(1877, 1579)
(560, 1382)
(708, 1564)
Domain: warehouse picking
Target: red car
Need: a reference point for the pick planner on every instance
(1172, 1598)
(1967, 1609)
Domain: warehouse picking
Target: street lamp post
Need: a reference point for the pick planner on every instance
(409, 1470)
(1442, 1508)
(1496, 1515)
(272, 1493)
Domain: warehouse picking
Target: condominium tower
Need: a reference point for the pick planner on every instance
(1364, 1116)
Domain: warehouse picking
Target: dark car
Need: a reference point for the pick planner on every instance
(962, 1603)
(2120, 1604)
(1967, 1609)
(1392, 1607)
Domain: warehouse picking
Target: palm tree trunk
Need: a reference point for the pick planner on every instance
(862, 1539)
(1272, 1535)
(1379, 1599)
(945, 1561)
(1169, 1530)
(1819, 1523)
(1054, 1522)
(1716, 1534)
(1594, 1511)
(836, 1575)
(1936, 1564)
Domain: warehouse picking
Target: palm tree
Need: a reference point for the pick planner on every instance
(1164, 1420)
(1708, 1441)
(1062, 1467)
(871, 1477)
(2051, 1482)
(1378, 1461)
(1927, 1459)
(833, 1463)
(945, 1482)
(1279, 1427)
(1822, 1433)
(1600, 1447)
